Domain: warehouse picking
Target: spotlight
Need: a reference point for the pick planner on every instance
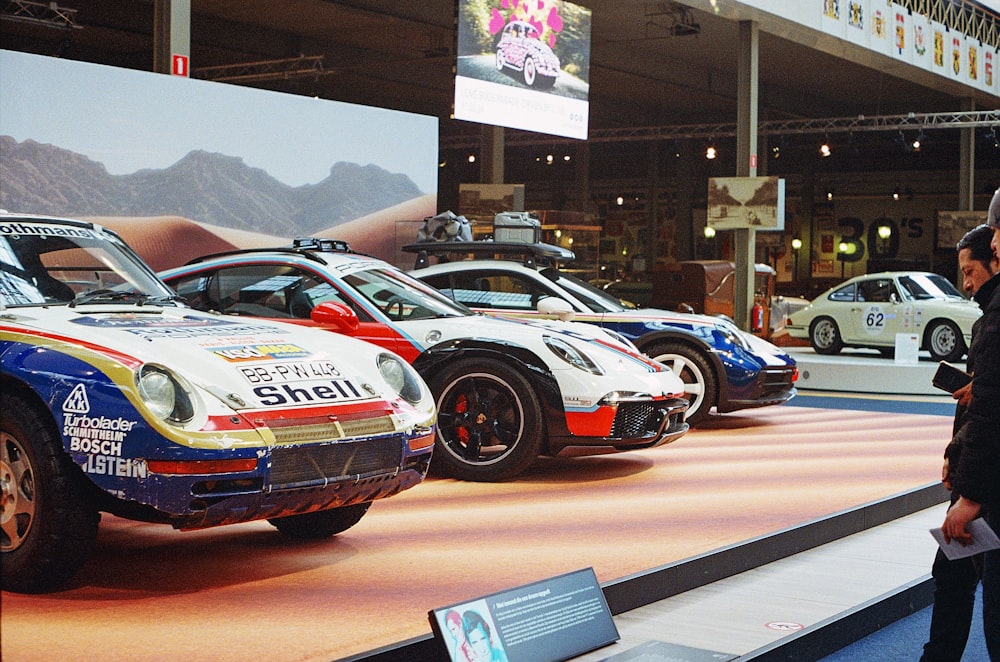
(895, 193)
(620, 200)
(709, 232)
(796, 243)
(472, 158)
(549, 159)
(824, 150)
(884, 232)
(829, 195)
(711, 153)
(776, 152)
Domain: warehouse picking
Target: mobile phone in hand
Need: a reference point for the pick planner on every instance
(950, 378)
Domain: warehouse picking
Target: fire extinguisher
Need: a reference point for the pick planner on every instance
(757, 317)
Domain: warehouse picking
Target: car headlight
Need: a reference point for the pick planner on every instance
(618, 397)
(572, 355)
(402, 378)
(166, 394)
(732, 333)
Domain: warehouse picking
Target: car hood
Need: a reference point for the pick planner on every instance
(770, 353)
(659, 315)
(225, 356)
(620, 362)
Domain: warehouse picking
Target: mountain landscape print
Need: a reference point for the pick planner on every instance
(151, 154)
(212, 188)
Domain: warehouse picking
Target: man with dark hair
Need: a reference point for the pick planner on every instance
(955, 581)
(976, 478)
(477, 633)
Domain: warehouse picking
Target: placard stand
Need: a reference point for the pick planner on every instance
(553, 619)
(907, 348)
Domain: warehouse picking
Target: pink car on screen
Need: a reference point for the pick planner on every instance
(521, 48)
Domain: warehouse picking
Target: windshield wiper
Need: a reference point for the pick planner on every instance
(104, 295)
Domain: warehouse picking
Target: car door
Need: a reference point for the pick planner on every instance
(276, 291)
(873, 317)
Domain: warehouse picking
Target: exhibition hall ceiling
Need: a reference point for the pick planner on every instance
(653, 62)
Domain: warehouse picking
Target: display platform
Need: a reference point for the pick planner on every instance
(864, 371)
(240, 591)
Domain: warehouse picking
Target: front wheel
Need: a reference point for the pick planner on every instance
(944, 341)
(824, 336)
(322, 523)
(489, 421)
(48, 525)
(701, 388)
(530, 71)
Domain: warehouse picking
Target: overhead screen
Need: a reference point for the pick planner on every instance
(524, 64)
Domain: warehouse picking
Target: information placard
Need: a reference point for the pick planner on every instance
(553, 619)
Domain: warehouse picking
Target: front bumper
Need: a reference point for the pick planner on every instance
(289, 479)
(635, 425)
(773, 386)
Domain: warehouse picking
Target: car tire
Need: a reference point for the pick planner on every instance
(50, 523)
(500, 63)
(701, 387)
(530, 71)
(490, 423)
(322, 523)
(824, 336)
(944, 341)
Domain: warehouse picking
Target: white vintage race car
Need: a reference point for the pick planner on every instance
(117, 398)
(869, 310)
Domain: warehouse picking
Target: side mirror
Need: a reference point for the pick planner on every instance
(335, 314)
(556, 306)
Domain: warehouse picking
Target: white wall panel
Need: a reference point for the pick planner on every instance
(901, 34)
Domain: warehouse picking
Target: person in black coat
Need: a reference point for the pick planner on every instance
(955, 581)
(976, 478)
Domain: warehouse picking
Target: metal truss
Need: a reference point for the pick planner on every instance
(989, 119)
(963, 15)
(49, 14)
(249, 72)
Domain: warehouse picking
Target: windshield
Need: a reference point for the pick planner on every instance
(928, 286)
(43, 263)
(596, 300)
(401, 297)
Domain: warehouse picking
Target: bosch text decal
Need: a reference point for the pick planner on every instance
(100, 437)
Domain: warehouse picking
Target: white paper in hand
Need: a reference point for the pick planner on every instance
(983, 540)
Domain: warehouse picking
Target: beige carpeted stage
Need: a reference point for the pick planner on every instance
(242, 591)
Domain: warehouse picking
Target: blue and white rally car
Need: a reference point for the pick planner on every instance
(116, 398)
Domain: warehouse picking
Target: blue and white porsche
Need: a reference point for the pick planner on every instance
(116, 398)
(720, 366)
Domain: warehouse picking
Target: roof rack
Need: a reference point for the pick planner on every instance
(528, 253)
(303, 246)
